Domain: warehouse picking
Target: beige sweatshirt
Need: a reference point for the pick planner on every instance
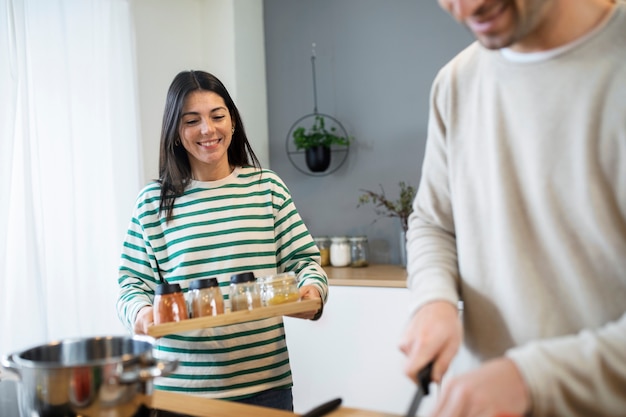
(521, 213)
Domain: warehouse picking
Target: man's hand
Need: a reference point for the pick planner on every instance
(433, 334)
(495, 389)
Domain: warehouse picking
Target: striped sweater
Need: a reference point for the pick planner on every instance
(244, 222)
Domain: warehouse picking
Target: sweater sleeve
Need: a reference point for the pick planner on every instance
(431, 246)
(583, 374)
(296, 248)
(136, 277)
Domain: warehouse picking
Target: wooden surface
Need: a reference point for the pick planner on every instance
(375, 275)
(354, 412)
(233, 317)
(204, 407)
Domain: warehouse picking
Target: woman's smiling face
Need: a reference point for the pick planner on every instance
(206, 130)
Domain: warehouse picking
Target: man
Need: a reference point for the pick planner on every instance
(521, 214)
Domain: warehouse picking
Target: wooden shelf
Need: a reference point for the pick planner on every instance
(234, 317)
(375, 275)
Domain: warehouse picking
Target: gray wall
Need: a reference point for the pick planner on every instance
(375, 62)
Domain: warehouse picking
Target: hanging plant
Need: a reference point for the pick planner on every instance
(318, 135)
(316, 141)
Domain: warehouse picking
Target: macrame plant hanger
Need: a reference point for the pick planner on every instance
(297, 156)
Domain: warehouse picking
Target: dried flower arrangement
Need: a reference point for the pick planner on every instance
(401, 208)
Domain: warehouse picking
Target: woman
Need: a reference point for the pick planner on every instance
(212, 213)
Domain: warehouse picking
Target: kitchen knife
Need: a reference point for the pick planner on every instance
(323, 409)
(423, 381)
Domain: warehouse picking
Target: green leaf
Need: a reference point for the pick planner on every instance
(318, 135)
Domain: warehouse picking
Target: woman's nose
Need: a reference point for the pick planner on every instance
(206, 127)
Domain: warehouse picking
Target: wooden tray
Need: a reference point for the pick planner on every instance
(234, 317)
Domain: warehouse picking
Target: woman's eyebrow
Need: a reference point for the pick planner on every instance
(195, 113)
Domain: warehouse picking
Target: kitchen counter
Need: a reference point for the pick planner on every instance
(374, 275)
(198, 406)
(192, 406)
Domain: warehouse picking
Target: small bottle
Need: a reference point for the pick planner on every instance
(359, 250)
(279, 288)
(169, 304)
(323, 244)
(244, 292)
(339, 251)
(205, 297)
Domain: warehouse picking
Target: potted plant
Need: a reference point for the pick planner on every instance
(400, 208)
(316, 141)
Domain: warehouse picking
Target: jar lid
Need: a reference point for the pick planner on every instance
(280, 277)
(358, 238)
(198, 284)
(167, 288)
(321, 238)
(243, 277)
(339, 238)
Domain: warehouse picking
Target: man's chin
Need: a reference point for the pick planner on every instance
(494, 42)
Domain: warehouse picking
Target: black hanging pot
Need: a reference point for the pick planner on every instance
(318, 158)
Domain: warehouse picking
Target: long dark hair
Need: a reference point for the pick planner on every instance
(174, 167)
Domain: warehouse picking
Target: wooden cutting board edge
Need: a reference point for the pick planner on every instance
(205, 407)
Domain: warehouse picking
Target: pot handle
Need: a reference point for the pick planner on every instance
(7, 362)
(159, 368)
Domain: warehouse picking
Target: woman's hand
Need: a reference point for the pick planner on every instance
(433, 334)
(308, 292)
(494, 389)
(144, 320)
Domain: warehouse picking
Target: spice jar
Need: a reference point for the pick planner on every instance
(169, 304)
(323, 244)
(279, 288)
(359, 251)
(340, 251)
(244, 292)
(205, 297)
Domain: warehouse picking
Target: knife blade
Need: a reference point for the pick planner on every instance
(423, 381)
(323, 409)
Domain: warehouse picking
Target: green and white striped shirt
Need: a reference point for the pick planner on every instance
(244, 222)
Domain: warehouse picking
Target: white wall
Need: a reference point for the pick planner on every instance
(352, 352)
(224, 37)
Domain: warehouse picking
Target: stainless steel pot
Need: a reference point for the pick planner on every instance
(92, 377)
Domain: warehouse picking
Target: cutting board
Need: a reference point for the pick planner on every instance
(204, 407)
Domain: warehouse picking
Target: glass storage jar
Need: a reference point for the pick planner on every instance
(169, 304)
(339, 251)
(279, 288)
(205, 298)
(323, 244)
(359, 251)
(244, 292)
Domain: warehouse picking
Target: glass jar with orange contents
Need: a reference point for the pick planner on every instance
(169, 304)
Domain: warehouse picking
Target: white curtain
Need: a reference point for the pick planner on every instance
(70, 166)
